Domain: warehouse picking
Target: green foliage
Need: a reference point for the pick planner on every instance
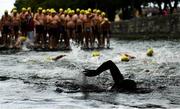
(109, 6)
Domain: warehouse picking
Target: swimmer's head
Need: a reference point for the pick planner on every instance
(40, 9)
(98, 11)
(60, 10)
(103, 14)
(82, 11)
(14, 11)
(6, 12)
(77, 10)
(15, 8)
(44, 11)
(72, 11)
(23, 9)
(65, 12)
(87, 12)
(69, 9)
(53, 12)
(89, 9)
(94, 10)
(48, 10)
(29, 8)
(127, 85)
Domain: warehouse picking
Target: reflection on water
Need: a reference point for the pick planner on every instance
(32, 77)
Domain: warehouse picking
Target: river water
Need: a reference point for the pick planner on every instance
(32, 77)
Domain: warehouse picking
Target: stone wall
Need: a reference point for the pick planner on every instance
(154, 27)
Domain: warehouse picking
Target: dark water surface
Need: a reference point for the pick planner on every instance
(31, 77)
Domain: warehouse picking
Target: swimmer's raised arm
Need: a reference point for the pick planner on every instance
(108, 65)
(91, 73)
(58, 57)
(119, 81)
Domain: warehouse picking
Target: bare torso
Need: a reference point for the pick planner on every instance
(70, 22)
(97, 20)
(105, 24)
(39, 19)
(23, 16)
(53, 21)
(87, 21)
(79, 20)
(6, 20)
(62, 19)
(15, 20)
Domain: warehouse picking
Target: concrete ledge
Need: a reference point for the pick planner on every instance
(156, 27)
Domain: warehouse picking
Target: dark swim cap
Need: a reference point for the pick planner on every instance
(125, 85)
(128, 84)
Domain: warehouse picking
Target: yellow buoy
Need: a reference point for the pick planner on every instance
(124, 58)
(95, 53)
(150, 52)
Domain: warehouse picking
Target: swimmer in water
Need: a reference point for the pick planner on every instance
(119, 82)
(21, 39)
(128, 55)
(58, 57)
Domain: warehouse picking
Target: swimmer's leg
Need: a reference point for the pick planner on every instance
(109, 65)
(108, 40)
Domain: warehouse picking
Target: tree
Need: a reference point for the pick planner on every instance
(167, 3)
(109, 6)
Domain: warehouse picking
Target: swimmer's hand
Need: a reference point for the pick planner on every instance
(58, 57)
(130, 56)
(90, 73)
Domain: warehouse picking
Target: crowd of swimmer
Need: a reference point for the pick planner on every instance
(47, 28)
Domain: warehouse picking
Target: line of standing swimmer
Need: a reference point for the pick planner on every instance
(50, 29)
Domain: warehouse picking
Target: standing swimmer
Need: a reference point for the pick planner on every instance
(15, 24)
(6, 28)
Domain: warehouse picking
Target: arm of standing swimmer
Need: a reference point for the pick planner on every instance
(91, 17)
(10, 20)
(65, 25)
(35, 19)
(45, 20)
(1, 24)
(1, 21)
(75, 22)
(59, 21)
(48, 20)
